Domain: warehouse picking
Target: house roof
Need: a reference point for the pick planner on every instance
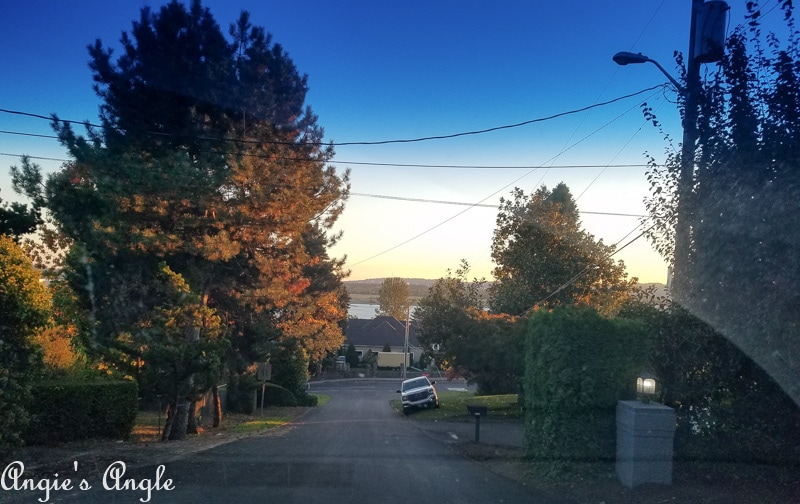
(378, 331)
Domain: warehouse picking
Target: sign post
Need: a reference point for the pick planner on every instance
(264, 375)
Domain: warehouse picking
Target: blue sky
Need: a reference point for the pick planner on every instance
(395, 70)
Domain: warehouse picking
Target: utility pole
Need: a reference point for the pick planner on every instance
(405, 345)
(683, 234)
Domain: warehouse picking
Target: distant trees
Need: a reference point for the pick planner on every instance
(393, 298)
(17, 219)
(351, 355)
(25, 310)
(209, 169)
(544, 257)
(461, 336)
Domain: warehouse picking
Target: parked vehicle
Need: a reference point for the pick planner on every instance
(418, 393)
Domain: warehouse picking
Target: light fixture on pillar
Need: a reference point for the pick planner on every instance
(645, 386)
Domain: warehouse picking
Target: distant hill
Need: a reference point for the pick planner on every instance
(366, 291)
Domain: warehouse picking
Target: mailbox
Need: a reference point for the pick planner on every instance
(477, 410)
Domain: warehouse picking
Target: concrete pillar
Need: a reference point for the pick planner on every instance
(645, 434)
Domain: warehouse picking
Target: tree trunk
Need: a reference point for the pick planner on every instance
(191, 423)
(178, 431)
(168, 422)
(217, 407)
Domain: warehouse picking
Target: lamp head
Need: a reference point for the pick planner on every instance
(625, 58)
(646, 386)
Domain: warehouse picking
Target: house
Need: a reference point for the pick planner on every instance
(375, 333)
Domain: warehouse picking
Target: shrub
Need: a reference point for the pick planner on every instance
(290, 368)
(275, 395)
(25, 308)
(727, 407)
(241, 390)
(66, 411)
(310, 400)
(578, 365)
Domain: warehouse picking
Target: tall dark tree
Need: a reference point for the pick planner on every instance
(543, 256)
(743, 271)
(207, 161)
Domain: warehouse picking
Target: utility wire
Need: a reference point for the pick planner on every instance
(508, 126)
(482, 205)
(42, 158)
(390, 165)
(20, 133)
(378, 142)
(487, 197)
(489, 167)
(588, 267)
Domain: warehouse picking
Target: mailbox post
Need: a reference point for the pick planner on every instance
(477, 411)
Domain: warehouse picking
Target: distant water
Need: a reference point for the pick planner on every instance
(362, 310)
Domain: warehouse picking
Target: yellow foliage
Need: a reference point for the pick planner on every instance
(56, 344)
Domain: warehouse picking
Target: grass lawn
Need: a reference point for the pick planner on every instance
(322, 399)
(148, 424)
(454, 404)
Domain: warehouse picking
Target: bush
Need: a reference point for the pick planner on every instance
(241, 390)
(290, 368)
(727, 407)
(578, 365)
(66, 411)
(275, 395)
(310, 400)
(25, 308)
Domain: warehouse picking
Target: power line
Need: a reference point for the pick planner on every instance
(400, 165)
(489, 196)
(489, 167)
(20, 133)
(377, 142)
(482, 205)
(589, 267)
(508, 126)
(389, 164)
(33, 157)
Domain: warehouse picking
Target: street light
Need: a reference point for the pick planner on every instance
(623, 58)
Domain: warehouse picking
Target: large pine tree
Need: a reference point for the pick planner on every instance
(209, 162)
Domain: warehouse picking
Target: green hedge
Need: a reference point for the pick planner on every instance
(70, 410)
(578, 365)
(275, 395)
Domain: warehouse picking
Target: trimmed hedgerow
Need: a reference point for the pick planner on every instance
(578, 365)
(70, 410)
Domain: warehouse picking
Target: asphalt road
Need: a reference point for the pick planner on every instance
(356, 448)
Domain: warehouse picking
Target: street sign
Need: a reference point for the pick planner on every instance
(264, 371)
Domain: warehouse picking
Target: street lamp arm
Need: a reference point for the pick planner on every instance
(626, 58)
(681, 89)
